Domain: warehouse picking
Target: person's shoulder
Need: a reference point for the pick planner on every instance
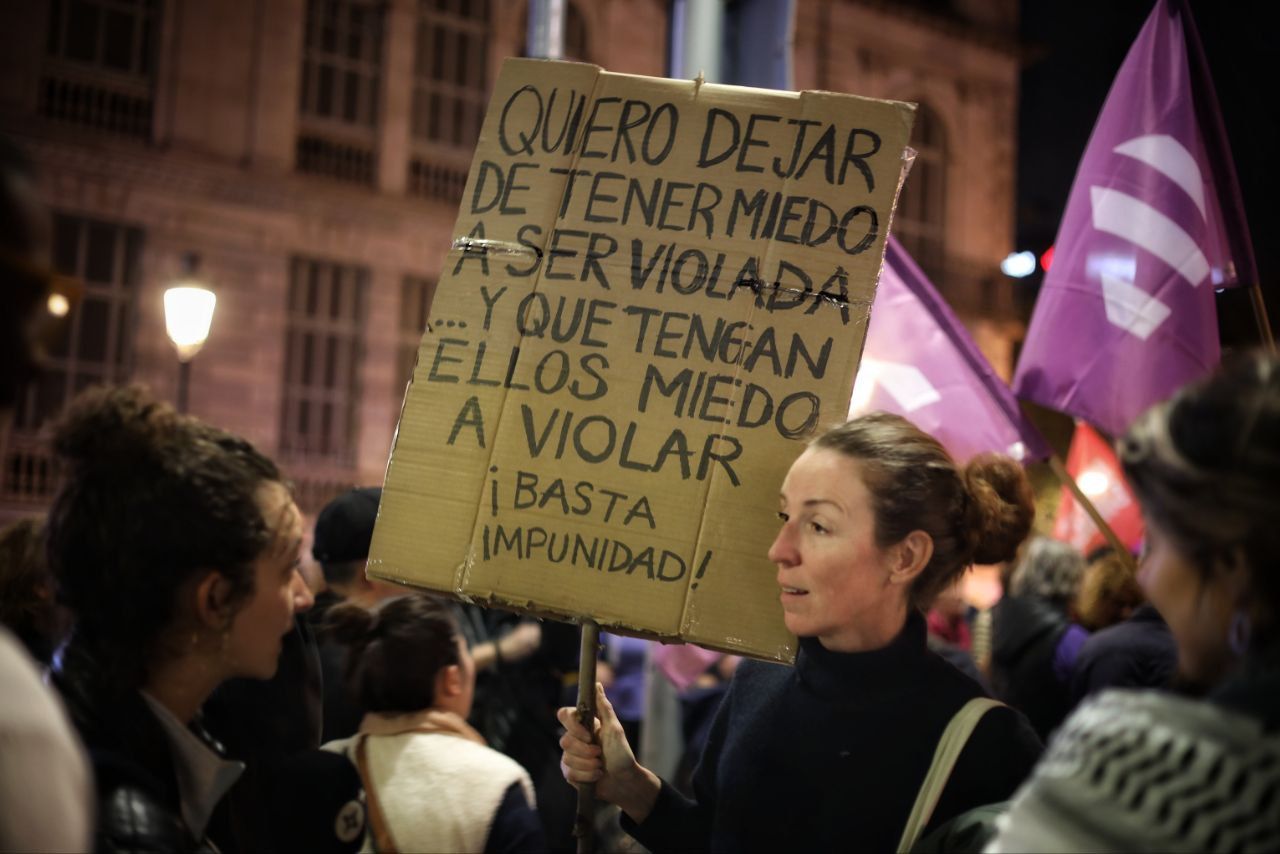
(29, 705)
(134, 811)
(130, 818)
(944, 680)
(1113, 637)
(1132, 768)
(757, 674)
(343, 746)
(1004, 728)
(482, 757)
(1160, 715)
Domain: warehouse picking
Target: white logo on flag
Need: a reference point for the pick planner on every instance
(1128, 306)
(906, 384)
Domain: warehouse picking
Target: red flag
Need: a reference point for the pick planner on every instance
(1097, 472)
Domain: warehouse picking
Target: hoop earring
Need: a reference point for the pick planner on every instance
(1239, 633)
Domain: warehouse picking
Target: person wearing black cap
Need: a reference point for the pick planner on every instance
(344, 530)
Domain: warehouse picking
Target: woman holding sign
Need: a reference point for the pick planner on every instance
(876, 521)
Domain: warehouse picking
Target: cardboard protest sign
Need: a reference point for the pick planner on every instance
(657, 289)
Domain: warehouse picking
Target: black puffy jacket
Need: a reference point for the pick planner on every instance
(139, 804)
(1025, 635)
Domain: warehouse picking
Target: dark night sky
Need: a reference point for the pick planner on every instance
(1074, 50)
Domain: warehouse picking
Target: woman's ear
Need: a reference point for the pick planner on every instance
(909, 557)
(213, 600)
(449, 681)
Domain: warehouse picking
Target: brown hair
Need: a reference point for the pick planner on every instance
(1109, 591)
(151, 500)
(1205, 466)
(977, 513)
(395, 650)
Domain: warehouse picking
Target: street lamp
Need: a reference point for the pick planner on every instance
(188, 312)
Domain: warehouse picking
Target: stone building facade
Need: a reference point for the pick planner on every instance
(308, 157)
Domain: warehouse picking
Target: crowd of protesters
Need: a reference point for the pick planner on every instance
(172, 681)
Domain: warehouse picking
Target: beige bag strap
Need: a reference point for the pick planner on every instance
(382, 841)
(953, 740)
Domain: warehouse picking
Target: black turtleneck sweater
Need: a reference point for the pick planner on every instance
(830, 754)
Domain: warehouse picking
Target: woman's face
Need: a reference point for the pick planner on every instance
(834, 579)
(1197, 609)
(258, 627)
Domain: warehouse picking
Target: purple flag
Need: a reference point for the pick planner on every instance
(1126, 314)
(919, 362)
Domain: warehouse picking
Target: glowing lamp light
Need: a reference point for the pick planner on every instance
(1093, 483)
(1019, 265)
(188, 313)
(58, 305)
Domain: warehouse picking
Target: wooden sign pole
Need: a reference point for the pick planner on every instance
(584, 823)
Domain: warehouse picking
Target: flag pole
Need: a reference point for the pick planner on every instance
(1260, 316)
(1122, 551)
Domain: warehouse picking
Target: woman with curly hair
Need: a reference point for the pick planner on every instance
(174, 545)
(876, 520)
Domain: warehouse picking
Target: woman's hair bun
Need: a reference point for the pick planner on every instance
(350, 625)
(112, 426)
(1001, 507)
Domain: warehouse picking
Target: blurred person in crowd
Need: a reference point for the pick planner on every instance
(1131, 646)
(1154, 771)
(623, 659)
(46, 788)
(28, 607)
(46, 801)
(876, 520)
(949, 635)
(982, 633)
(1138, 652)
(431, 782)
(343, 532)
(520, 677)
(948, 618)
(1109, 591)
(525, 667)
(1035, 641)
(343, 535)
(174, 545)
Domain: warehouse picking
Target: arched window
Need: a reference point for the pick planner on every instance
(450, 88)
(341, 86)
(451, 70)
(100, 67)
(921, 218)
